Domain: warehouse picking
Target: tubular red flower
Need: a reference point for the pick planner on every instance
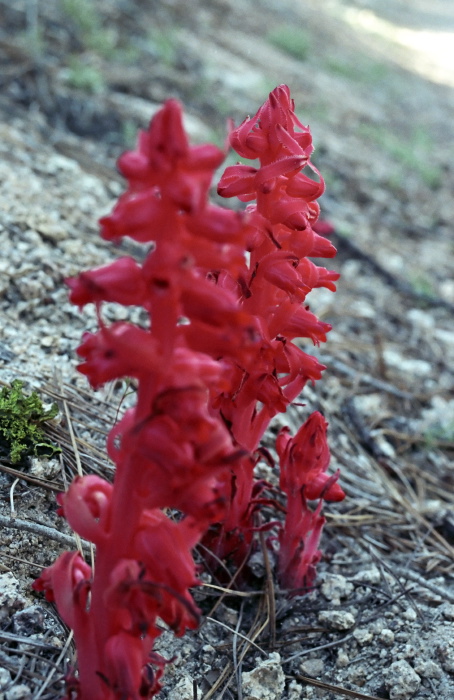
(120, 282)
(108, 355)
(86, 506)
(67, 583)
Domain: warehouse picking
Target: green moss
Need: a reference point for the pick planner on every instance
(164, 44)
(421, 284)
(439, 433)
(83, 76)
(367, 72)
(412, 152)
(88, 24)
(21, 419)
(290, 39)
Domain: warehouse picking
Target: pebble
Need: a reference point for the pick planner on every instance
(445, 652)
(363, 636)
(428, 669)
(295, 691)
(312, 667)
(401, 680)
(10, 598)
(447, 610)
(266, 681)
(342, 659)
(19, 692)
(371, 575)
(336, 587)
(29, 621)
(184, 690)
(5, 678)
(386, 637)
(337, 619)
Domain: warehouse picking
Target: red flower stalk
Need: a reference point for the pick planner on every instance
(215, 362)
(280, 276)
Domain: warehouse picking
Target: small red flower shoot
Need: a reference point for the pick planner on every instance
(303, 463)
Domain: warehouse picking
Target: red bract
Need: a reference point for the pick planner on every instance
(224, 297)
(121, 281)
(303, 462)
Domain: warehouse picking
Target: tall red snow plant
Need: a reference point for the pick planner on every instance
(224, 294)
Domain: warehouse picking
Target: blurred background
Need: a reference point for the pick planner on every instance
(373, 78)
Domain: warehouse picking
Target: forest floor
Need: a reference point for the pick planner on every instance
(375, 81)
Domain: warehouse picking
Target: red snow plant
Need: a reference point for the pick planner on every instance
(224, 297)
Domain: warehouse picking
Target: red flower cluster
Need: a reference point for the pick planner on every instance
(224, 293)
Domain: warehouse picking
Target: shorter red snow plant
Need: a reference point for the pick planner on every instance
(225, 297)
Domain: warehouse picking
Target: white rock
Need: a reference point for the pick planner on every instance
(421, 318)
(10, 598)
(295, 691)
(312, 667)
(336, 587)
(18, 692)
(386, 637)
(337, 619)
(371, 575)
(428, 669)
(363, 636)
(5, 678)
(445, 651)
(406, 364)
(410, 614)
(342, 659)
(401, 680)
(184, 690)
(266, 681)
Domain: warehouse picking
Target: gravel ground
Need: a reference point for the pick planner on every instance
(375, 84)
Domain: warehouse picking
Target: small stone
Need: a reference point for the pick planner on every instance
(394, 358)
(401, 680)
(266, 681)
(10, 598)
(363, 636)
(5, 678)
(229, 616)
(408, 651)
(19, 692)
(428, 669)
(371, 575)
(445, 652)
(312, 667)
(29, 621)
(358, 675)
(447, 610)
(295, 691)
(336, 587)
(386, 637)
(48, 340)
(342, 659)
(184, 690)
(410, 614)
(337, 619)
(421, 319)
